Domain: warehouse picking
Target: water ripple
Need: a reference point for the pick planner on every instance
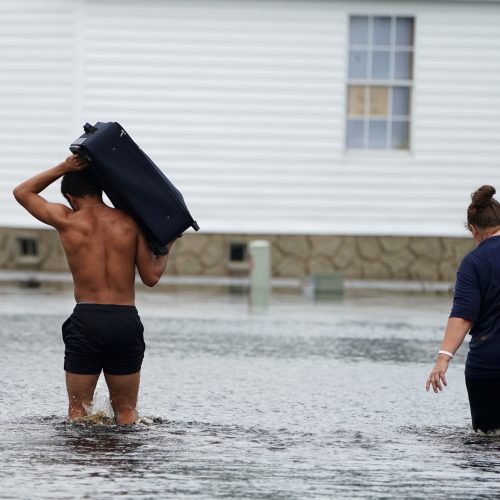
(251, 407)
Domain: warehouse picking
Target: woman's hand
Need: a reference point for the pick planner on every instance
(456, 330)
(437, 377)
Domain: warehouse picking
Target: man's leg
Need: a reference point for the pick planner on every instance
(123, 392)
(80, 393)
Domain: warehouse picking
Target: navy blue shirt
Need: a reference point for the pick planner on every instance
(477, 299)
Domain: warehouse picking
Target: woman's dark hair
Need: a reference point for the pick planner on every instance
(484, 210)
(80, 184)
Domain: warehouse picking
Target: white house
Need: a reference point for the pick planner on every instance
(318, 118)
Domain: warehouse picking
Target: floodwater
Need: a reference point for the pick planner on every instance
(310, 400)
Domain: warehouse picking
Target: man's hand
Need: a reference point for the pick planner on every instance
(27, 193)
(74, 163)
(437, 376)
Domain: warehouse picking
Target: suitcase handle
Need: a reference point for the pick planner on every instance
(78, 150)
(89, 129)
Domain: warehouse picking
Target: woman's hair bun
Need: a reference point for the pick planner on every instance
(481, 198)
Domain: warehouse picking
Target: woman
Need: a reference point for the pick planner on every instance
(476, 309)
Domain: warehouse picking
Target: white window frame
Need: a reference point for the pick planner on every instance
(389, 83)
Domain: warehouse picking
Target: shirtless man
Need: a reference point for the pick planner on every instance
(103, 246)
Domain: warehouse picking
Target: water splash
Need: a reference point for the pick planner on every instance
(100, 412)
(101, 405)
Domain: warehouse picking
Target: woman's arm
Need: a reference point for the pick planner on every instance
(456, 330)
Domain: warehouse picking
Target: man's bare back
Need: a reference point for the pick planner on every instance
(103, 248)
(101, 244)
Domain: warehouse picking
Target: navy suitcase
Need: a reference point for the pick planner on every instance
(134, 183)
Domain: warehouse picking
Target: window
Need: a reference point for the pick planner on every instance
(237, 252)
(28, 247)
(26, 251)
(237, 262)
(379, 82)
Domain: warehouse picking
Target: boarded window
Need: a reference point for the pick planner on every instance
(380, 78)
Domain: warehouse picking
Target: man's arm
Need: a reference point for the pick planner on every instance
(54, 214)
(151, 267)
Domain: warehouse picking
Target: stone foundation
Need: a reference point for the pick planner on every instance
(293, 256)
(357, 257)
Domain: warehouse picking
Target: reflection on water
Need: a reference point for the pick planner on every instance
(350, 341)
(308, 404)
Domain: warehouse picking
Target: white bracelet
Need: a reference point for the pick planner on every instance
(447, 353)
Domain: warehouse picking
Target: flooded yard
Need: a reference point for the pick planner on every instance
(310, 400)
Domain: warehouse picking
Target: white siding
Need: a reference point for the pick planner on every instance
(36, 93)
(242, 104)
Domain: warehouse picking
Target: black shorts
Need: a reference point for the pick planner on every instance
(484, 401)
(103, 337)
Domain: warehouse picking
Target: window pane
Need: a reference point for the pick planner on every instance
(378, 101)
(400, 101)
(358, 34)
(403, 65)
(355, 133)
(400, 135)
(382, 31)
(404, 31)
(380, 55)
(377, 134)
(358, 60)
(380, 64)
(356, 100)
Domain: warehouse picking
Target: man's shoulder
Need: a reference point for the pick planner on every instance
(123, 218)
(120, 213)
(109, 215)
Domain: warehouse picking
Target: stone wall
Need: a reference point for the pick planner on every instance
(357, 257)
(50, 252)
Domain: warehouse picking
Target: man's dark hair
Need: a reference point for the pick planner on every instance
(80, 184)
